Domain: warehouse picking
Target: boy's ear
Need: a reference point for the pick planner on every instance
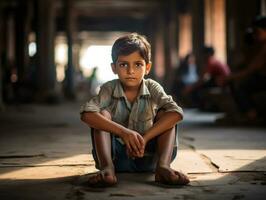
(148, 68)
(113, 68)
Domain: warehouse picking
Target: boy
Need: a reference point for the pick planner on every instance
(132, 119)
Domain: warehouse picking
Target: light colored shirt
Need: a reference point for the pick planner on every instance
(138, 116)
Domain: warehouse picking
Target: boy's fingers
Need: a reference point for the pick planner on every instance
(133, 146)
(137, 144)
(141, 140)
(129, 147)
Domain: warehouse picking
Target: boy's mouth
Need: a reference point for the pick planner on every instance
(130, 78)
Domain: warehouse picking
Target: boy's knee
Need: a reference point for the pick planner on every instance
(106, 114)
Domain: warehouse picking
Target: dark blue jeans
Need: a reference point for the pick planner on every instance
(123, 163)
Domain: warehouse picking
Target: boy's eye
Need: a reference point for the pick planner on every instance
(139, 65)
(123, 65)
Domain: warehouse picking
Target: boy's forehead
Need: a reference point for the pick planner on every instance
(134, 55)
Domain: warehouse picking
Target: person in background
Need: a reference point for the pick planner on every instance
(212, 71)
(186, 75)
(249, 82)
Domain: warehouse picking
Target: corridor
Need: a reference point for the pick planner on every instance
(45, 154)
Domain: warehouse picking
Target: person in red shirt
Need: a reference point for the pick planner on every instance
(214, 68)
(212, 71)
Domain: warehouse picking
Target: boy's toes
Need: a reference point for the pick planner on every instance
(102, 180)
(183, 179)
(169, 176)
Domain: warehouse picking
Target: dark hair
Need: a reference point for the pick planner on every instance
(186, 58)
(208, 50)
(259, 22)
(130, 43)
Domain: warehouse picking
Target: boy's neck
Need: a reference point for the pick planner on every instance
(131, 93)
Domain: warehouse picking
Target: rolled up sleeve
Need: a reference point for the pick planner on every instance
(99, 102)
(163, 100)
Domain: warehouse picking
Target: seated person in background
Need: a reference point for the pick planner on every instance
(212, 71)
(251, 80)
(186, 75)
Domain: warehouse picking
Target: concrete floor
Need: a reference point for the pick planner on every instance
(45, 154)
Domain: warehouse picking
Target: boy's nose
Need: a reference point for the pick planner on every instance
(130, 70)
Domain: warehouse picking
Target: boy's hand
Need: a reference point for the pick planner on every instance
(134, 143)
(134, 154)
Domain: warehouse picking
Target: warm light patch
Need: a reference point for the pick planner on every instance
(97, 56)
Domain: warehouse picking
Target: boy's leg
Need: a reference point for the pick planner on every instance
(102, 147)
(165, 145)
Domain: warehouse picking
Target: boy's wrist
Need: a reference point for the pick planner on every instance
(121, 132)
(146, 138)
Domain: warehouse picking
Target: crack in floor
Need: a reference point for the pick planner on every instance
(5, 165)
(22, 156)
(214, 167)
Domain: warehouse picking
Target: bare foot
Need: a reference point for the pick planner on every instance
(168, 176)
(104, 178)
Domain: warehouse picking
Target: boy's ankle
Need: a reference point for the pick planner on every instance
(162, 165)
(109, 167)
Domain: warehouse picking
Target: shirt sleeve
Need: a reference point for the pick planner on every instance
(163, 100)
(99, 102)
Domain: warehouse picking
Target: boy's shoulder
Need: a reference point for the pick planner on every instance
(150, 83)
(110, 84)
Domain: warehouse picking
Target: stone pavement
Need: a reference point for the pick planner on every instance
(45, 154)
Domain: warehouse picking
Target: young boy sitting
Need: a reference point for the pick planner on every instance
(133, 120)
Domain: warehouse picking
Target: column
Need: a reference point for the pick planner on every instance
(239, 15)
(22, 31)
(46, 73)
(70, 70)
(158, 48)
(170, 43)
(198, 30)
(1, 58)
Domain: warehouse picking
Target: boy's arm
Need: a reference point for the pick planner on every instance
(171, 115)
(132, 139)
(166, 121)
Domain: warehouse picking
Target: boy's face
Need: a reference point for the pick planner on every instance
(131, 69)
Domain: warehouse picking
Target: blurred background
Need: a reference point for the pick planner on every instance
(57, 50)
(208, 54)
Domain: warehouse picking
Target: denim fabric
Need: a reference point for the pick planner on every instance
(123, 163)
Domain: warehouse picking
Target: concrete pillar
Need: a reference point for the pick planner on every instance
(8, 56)
(239, 15)
(149, 32)
(22, 31)
(198, 30)
(70, 70)
(158, 48)
(1, 59)
(46, 72)
(214, 26)
(170, 42)
(185, 34)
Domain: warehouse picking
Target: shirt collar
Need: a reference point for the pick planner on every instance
(119, 92)
(144, 91)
